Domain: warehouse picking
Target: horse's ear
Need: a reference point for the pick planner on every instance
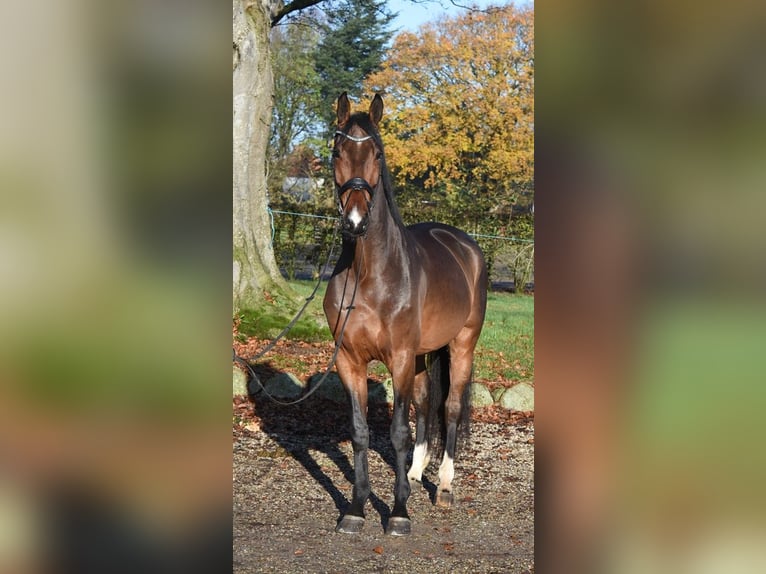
(344, 109)
(376, 109)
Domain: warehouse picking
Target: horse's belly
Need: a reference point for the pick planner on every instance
(442, 324)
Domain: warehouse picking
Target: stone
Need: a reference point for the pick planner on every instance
(480, 395)
(520, 397)
(388, 387)
(285, 386)
(331, 389)
(254, 386)
(239, 383)
(497, 392)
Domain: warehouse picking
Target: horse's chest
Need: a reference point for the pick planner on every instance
(381, 322)
(380, 334)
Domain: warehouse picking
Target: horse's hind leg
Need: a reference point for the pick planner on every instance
(461, 362)
(420, 455)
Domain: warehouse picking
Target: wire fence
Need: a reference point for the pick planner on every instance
(302, 243)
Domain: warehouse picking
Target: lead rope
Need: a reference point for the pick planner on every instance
(272, 344)
(309, 299)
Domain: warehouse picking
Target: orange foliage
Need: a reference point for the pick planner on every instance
(459, 99)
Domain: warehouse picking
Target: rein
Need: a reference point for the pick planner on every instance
(272, 344)
(355, 183)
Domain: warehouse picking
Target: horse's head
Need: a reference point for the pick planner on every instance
(356, 161)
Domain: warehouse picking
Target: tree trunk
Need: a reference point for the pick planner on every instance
(255, 269)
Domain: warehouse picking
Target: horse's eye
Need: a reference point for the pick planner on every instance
(336, 153)
(379, 155)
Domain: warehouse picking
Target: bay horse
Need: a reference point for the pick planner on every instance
(417, 297)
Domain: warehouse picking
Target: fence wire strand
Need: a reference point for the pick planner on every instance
(503, 265)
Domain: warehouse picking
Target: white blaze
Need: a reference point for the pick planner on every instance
(355, 217)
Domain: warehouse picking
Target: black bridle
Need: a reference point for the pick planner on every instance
(355, 183)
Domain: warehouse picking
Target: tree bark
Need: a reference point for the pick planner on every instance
(255, 269)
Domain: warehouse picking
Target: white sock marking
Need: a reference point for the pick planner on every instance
(420, 461)
(446, 473)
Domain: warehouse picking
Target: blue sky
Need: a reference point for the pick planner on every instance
(413, 14)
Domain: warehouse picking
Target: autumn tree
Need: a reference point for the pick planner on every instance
(460, 111)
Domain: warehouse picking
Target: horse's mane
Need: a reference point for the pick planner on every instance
(362, 119)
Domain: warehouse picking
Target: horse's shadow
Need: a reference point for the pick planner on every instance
(319, 424)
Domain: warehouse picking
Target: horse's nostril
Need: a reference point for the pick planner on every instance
(355, 228)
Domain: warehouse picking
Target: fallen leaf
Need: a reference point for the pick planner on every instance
(378, 550)
(299, 552)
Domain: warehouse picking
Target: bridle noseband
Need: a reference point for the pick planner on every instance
(355, 182)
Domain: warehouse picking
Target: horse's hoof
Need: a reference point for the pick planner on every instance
(350, 524)
(398, 526)
(445, 499)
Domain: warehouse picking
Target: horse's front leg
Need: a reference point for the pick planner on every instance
(354, 377)
(403, 374)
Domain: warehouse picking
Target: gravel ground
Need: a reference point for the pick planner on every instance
(293, 477)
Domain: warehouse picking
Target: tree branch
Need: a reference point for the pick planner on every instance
(293, 6)
(459, 4)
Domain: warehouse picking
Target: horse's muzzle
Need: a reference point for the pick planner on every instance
(356, 211)
(354, 224)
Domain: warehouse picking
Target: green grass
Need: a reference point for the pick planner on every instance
(506, 345)
(268, 320)
(505, 349)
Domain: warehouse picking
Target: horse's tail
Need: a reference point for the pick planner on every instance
(439, 375)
